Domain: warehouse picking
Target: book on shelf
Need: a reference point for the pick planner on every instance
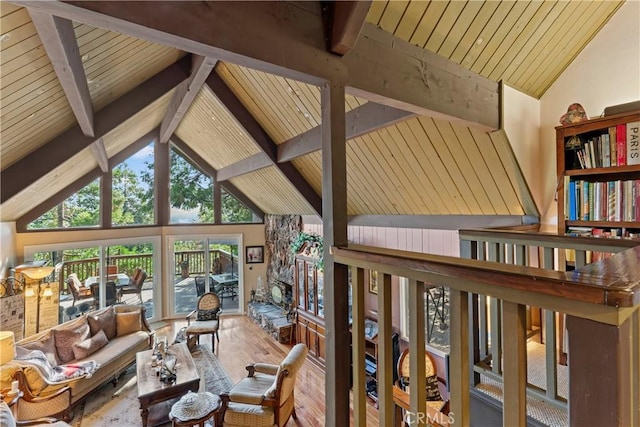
(602, 200)
(633, 143)
(621, 144)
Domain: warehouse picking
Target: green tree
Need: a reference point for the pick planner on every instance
(132, 202)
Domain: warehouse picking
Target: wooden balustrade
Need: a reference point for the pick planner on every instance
(194, 262)
(601, 302)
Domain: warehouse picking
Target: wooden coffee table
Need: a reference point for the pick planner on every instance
(152, 391)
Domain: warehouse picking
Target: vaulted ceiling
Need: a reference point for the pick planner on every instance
(82, 84)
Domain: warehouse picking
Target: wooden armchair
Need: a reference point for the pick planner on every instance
(205, 319)
(265, 396)
(135, 285)
(7, 419)
(434, 397)
(78, 290)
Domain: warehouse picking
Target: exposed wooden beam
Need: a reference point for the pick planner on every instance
(277, 37)
(433, 222)
(414, 79)
(161, 202)
(60, 43)
(100, 153)
(106, 200)
(347, 19)
(185, 94)
(250, 164)
(360, 121)
(134, 147)
(263, 140)
(285, 39)
(51, 155)
(334, 192)
(199, 162)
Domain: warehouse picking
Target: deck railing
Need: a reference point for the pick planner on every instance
(193, 262)
(601, 302)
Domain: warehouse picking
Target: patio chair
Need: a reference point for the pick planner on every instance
(78, 290)
(111, 293)
(207, 320)
(266, 396)
(134, 286)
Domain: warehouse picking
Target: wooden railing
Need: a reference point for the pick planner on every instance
(601, 302)
(193, 262)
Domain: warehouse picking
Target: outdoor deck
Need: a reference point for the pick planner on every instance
(185, 293)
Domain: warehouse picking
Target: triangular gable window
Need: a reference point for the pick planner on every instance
(191, 199)
(132, 189)
(233, 211)
(82, 209)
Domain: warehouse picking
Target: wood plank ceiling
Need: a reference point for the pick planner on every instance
(406, 165)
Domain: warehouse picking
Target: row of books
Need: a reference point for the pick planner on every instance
(593, 256)
(620, 146)
(602, 201)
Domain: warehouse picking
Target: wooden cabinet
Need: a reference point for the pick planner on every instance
(309, 298)
(598, 186)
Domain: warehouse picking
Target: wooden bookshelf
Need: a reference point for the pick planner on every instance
(601, 192)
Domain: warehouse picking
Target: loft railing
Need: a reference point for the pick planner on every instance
(601, 302)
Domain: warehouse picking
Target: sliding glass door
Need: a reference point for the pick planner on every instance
(202, 265)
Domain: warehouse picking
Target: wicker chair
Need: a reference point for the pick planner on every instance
(7, 419)
(206, 317)
(265, 397)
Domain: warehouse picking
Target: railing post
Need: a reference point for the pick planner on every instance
(604, 372)
(418, 395)
(358, 348)
(385, 353)
(515, 364)
(551, 352)
(459, 360)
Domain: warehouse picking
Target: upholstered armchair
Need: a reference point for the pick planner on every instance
(33, 407)
(265, 397)
(7, 419)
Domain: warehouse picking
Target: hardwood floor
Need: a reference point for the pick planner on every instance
(243, 342)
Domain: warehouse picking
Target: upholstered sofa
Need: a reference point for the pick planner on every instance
(110, 337)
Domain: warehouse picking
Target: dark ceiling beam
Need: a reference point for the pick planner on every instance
(276, 37)
(100, 153)
(250, 164)
(263, 140)
(51, 155)
(360, 121)
(205, 167)
(346, 21)
(185, 94)
(59, 41)
(285, 39)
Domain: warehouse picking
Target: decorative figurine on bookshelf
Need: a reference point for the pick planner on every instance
(575, 114)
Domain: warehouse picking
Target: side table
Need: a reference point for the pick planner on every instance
(194, 409)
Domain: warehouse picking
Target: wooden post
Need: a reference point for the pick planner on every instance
(603, 374)
(418, 395)
(161, 173)
(358, 341)
(459, 360)
(106, 199)
(515, 364)
(334, 220)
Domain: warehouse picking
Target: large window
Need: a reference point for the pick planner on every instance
(80, 210)
(191, 192)
(436, 321)
(88, 275)
(133, 189)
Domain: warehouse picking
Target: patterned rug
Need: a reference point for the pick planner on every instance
(118, 406)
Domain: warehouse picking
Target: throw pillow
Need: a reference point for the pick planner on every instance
(128, 322)
(104, 320)
(83, 349)
(208, 314)
(46, 344)
(433, 392)
(68, 336)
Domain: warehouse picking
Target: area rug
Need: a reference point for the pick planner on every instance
(118, 406)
